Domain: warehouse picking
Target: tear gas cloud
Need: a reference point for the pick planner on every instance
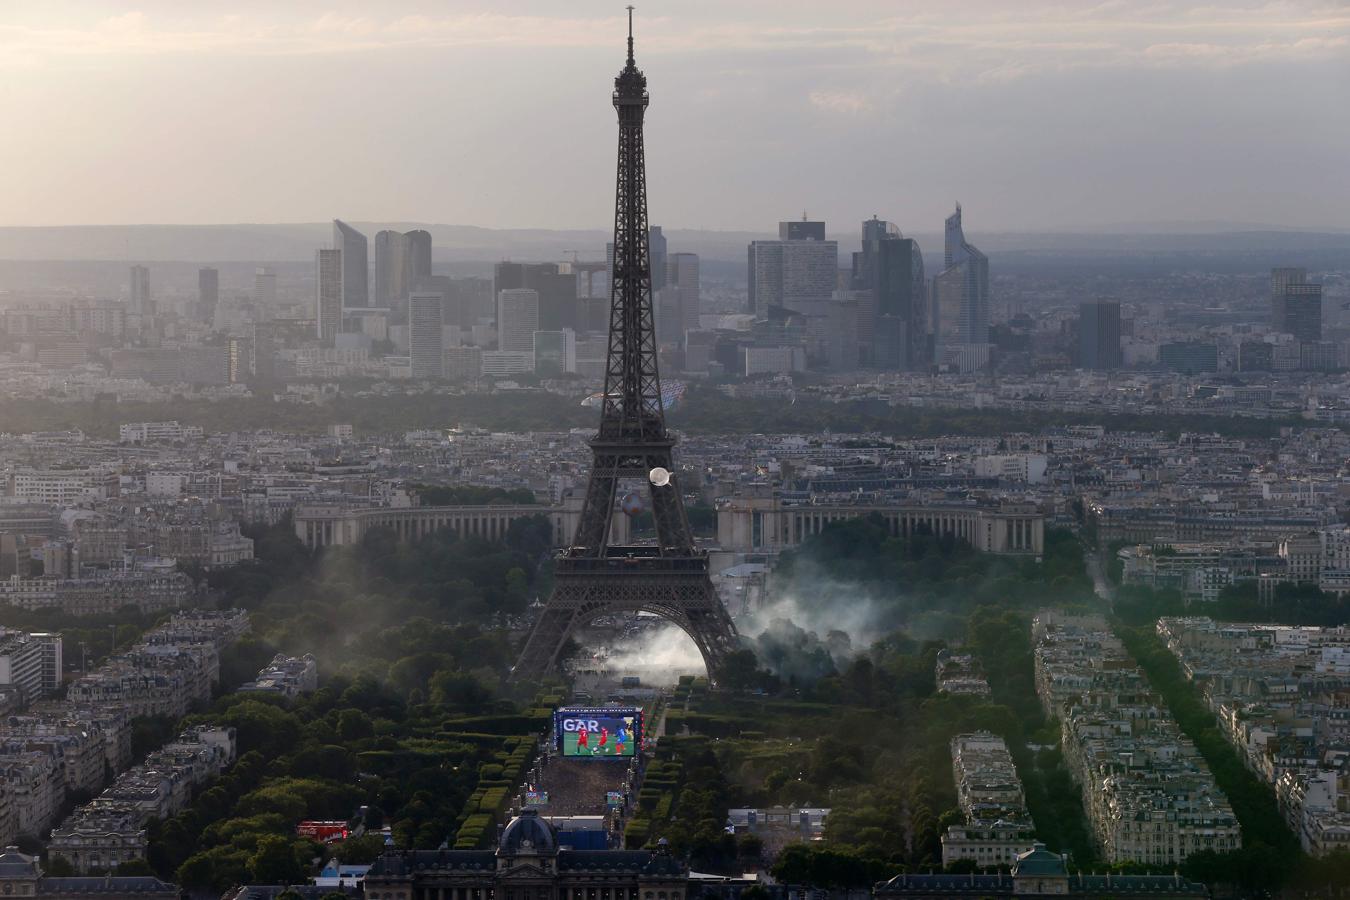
(811, 625)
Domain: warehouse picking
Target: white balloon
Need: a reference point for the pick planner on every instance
(659, 477)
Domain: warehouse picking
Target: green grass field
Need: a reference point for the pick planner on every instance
(610, 749)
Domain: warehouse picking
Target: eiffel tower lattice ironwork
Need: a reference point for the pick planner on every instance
(593, 578)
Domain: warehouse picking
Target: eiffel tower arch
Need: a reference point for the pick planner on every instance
(593, 578)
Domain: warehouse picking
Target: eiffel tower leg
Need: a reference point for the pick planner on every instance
(713, 631)
(540, 655)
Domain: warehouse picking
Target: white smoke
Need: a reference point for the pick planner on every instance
(821, 607)
(658, 654)
(812, 614)
(809, 624)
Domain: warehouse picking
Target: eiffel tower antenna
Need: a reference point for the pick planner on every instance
(592, 577)
(630, 34)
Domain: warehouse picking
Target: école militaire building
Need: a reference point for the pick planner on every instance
(528, 864)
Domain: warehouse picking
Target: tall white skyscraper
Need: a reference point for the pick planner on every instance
(355, 266)
(426, 346)
(517, 319)
(265, 288)
(328, 294)
(140, 303)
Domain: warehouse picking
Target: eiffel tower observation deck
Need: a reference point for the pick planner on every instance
(592, 577)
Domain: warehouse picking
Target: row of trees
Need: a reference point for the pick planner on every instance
(1001, 639)
(704, 410)
(1271, 852)
(708, 410)
(1291, 604)
(472, 495)
(385, 414)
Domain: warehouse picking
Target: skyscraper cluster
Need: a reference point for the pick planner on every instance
(344, 302)
(1296, 338)
(546, 317)
(887, 315)
(883, 313)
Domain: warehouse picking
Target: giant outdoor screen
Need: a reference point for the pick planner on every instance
(609, 732)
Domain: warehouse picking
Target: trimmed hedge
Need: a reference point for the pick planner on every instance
(473, 833)
(501, 725)
(477, 738)
(637, 833)
(663, 808)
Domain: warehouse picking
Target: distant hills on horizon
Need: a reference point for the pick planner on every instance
(264, 243)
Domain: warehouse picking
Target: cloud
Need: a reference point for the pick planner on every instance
(1187, 50)
(1051, 110)
(127, 23)
(845, 102)
(1212, 55)
(139, 34)
(951, 42)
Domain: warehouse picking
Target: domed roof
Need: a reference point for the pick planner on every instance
(527, 833)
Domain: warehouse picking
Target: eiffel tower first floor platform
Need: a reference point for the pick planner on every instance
(628, 580)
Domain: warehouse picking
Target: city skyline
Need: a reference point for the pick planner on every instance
(1035, 117)
(422, 568)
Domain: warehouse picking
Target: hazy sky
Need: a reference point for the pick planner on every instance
(1031, 113)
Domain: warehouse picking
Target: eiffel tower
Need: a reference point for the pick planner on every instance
(593, 578)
